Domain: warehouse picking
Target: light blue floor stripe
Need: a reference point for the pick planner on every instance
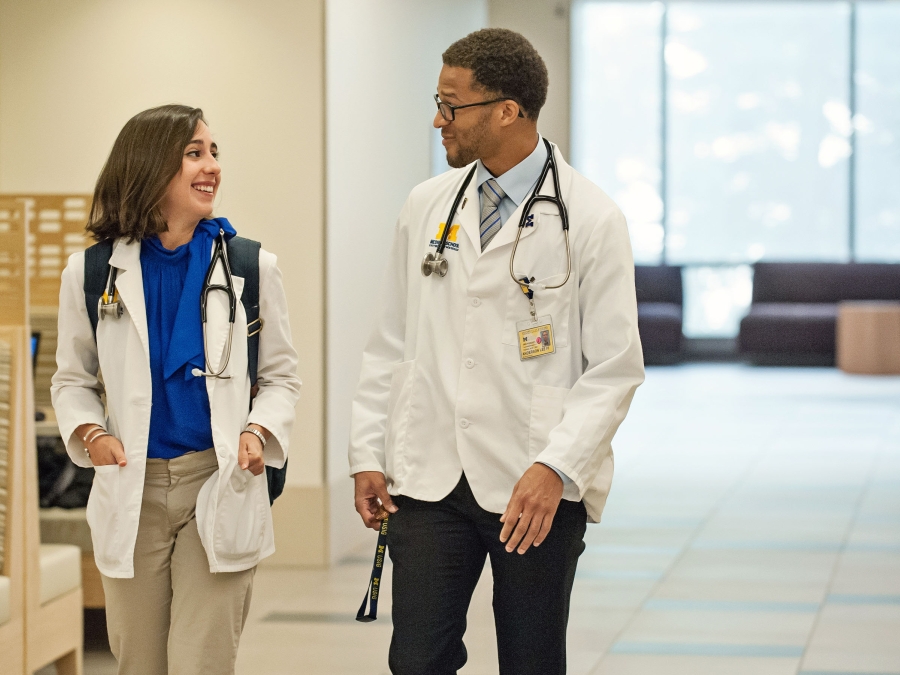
(613, 549)
(792, 546)
(618, 574)
(676, 649)
(873, 548)
(664, 604)
(849, 599)
(650, 522)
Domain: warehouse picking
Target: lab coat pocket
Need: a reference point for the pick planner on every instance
(103, 512)
(546, 414)
(398, 415)
(555, 302)
(240, 515)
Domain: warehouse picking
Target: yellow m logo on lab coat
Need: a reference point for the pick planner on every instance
(454, 230)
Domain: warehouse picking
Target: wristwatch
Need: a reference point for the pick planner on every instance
(251, 430)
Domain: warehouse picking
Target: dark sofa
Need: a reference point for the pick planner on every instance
(794, 309)
(659, 297)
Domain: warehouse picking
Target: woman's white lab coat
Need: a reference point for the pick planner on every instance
(233, 515)
(443, 389)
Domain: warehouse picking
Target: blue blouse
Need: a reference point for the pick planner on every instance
(180, 416)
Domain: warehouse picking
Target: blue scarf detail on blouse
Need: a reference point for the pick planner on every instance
(180, 417)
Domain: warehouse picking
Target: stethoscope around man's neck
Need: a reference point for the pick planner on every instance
(436, 263)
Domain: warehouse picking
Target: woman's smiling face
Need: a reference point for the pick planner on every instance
(191, 193)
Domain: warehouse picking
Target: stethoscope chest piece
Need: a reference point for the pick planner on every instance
(434, 263)
(109, 304)
(110, 309)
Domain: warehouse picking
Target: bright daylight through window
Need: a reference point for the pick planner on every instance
(726, 133)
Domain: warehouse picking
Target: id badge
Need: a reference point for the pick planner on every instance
(535, 337)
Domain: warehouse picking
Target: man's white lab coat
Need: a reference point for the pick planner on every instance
(443, 389)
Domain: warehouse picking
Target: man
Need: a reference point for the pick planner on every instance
(486, 407)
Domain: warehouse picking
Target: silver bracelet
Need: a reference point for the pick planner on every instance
(93, 428)
(99, 434)
(256, 433)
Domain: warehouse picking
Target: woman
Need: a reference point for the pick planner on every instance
(179, 510)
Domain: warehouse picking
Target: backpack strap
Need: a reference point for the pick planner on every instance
(243, 255)
(96, 272)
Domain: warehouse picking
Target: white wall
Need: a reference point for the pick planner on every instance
(383, 60)
(546, 25)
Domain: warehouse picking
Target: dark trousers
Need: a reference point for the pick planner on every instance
(438, 551)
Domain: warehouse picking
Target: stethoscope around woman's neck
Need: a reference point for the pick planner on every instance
(436, 263)
(110, 305)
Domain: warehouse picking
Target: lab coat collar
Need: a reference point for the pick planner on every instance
(519, 181)
(126, 256)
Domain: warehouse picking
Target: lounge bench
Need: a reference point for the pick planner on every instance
(794, 309)
(659, 297)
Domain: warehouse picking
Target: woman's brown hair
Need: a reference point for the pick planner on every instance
(145, 157)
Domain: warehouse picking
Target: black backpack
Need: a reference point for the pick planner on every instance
(243, 255)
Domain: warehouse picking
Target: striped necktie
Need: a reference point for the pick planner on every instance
(491, 196)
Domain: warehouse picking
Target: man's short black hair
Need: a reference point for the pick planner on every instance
(504, 62)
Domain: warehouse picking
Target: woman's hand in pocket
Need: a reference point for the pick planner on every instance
(250, 451)
(106, 450)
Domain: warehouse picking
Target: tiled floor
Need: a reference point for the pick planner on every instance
(753, 528)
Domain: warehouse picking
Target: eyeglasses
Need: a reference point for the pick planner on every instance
(448, 112)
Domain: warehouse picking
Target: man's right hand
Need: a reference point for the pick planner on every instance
(105, 450)
(373, 503)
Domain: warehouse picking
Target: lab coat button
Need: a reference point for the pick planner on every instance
(470, 363)
(464, 423)
(476, 302)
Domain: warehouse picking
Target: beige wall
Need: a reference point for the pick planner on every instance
(72, 73)
(546, 25)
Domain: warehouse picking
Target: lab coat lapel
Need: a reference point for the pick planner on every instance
(126, 257)
(565, 174)
(469, 220)
(507, 233)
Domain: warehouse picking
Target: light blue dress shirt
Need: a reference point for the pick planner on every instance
(518, 183)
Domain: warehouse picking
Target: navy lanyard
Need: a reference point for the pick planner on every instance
(375, 580)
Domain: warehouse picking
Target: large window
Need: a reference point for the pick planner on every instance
(616, 113)
(726, 132)
(877, 125)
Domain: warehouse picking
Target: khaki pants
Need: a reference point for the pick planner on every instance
(175, 617)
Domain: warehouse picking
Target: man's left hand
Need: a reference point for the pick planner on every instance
(531, 508)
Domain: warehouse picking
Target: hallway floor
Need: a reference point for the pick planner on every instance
(753, 527)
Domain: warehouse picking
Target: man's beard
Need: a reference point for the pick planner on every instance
(467, 153)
